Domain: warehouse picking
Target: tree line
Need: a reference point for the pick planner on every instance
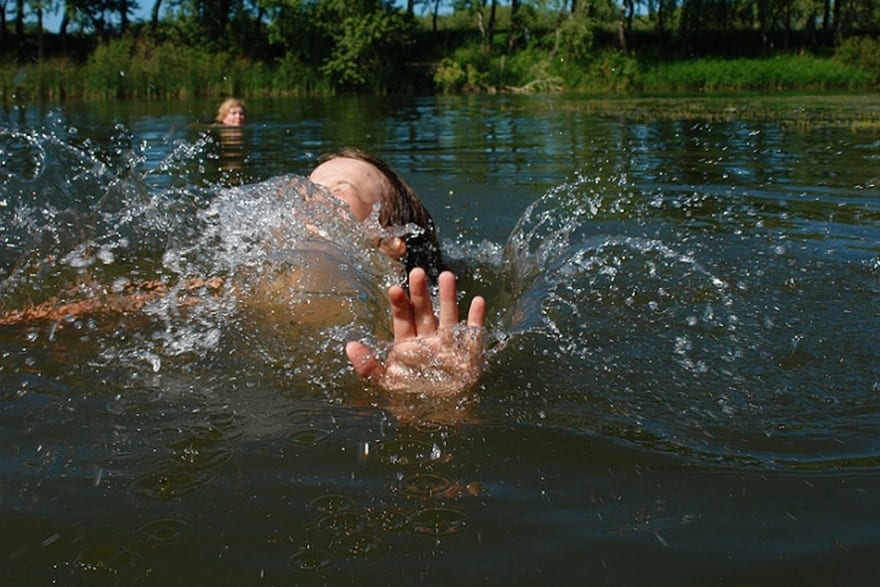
(371, 45)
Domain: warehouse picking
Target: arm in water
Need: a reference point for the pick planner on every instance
(127, 299)
(432, 355)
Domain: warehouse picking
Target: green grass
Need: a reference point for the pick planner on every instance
(127, 68)
(794, 72)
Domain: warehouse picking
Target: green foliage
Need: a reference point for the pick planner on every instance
(351, 46)
(451, 77)
(861, 52)
(130, 67)
(467, 71)
(366, 51)
(531, 70)
(574, 41)
(53, 81)
(613, 72)
(777, 73)
(138, 67)
(296, 30)
(258, 47)
(293, 76)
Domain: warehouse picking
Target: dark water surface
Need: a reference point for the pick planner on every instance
(684, 385)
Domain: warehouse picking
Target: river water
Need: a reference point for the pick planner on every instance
(683, 383)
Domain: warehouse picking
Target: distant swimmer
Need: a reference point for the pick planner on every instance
(232, 112)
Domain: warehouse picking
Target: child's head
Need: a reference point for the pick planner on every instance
(349, 174)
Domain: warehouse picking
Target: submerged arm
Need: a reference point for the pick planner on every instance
(132, 298)
(430, 354)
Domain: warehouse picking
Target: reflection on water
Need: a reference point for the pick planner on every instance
(683, 367)
(233, 153)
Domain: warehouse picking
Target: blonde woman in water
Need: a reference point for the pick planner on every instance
(232, 112)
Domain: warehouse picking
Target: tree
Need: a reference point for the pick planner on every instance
(368, 41)
(99, 16)
(3, 24)
(154, 15)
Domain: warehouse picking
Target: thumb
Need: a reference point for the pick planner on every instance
(363, 360)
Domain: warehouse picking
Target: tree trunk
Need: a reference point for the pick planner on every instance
(154, 16)
(65, 22)
(3, 29)
(836, 20)
(490, 29)
(661, 24)
(19, 28)
(763, 19)
(123, 16)
(515, 29)
(40, 33)
(810, 37)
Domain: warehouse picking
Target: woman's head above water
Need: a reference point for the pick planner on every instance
(232, 112)
(363, 181)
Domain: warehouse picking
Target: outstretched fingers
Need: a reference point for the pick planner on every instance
(413, 315)
(477, 312)
(429, 352)
(363, 360)
(402, 316)
(448, 300)
(424, 320)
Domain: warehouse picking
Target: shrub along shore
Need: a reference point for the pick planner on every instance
(141, 68)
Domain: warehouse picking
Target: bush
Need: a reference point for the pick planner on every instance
(467, 71)
(449, 76)
(615, 72)
(294, 76)
(575, 41)
(861, 52)
(531, 70)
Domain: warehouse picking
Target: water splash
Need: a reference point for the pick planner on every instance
(151, 274)
(627, 322)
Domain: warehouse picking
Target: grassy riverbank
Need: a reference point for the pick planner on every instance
(130, 68)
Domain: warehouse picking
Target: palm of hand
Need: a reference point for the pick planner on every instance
(431, 355)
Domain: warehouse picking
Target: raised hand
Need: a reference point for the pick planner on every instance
(430, 354)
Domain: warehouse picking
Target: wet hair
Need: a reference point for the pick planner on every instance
(227, 105)
(400, 207)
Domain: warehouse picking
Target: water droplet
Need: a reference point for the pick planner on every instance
(171, 484)
(106, 559)
(438, 521)
(331, 503)
(344, 523)
(386, 520)
(404, 452)
(310, 559)
(356, 544)
(428, 485)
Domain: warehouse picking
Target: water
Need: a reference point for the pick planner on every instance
(683, 386)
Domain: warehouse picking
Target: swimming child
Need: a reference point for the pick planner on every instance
(431, 352)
